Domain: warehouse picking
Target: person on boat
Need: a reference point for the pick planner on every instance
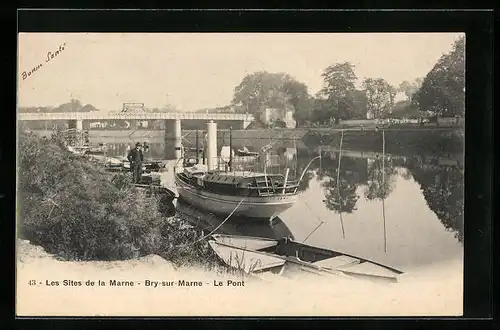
(135, 157)
(146, 147)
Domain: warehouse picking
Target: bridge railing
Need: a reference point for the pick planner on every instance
(135, 116)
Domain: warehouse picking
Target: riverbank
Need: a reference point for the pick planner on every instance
(77, 210)
(436, 290)
(96, 220)
(401, 142)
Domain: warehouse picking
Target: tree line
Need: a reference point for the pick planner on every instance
(439, 93)
(74, 105)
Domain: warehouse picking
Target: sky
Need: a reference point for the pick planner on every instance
(192, 71)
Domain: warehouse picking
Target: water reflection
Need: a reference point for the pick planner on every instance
(341, 182)
(443, 189)
(275, 229)
(380, 179)
(421, 198)
(441, 181)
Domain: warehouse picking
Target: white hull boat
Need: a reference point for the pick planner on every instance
(252, 195)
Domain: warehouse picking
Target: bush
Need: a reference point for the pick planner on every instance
(405, 109)
(78, 211)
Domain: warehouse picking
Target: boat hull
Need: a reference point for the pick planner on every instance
(287, 257)
(251, 207)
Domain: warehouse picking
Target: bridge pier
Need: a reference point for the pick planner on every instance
(78, 124)
(211, 145)
(173, 139)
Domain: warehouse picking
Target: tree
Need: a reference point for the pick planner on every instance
(322, 111)
(443, 88)
(262, 90)
(34, 109)
(338, 90)
(298, 97)
(258, 90)
(74, 105)
(339, 80)
(410, 88)
(380, 95)
(405, 109)
(357, 102)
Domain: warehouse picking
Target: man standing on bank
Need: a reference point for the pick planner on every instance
(135, 157)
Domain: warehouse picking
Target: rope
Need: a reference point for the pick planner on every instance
(211, 215)
(320, 224)
(338, 184)
(209, 234)
(312, 211)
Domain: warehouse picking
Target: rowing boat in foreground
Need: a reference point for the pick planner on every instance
(285, 257)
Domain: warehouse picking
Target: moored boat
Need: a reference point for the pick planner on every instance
(257, 255)
(78, 150)
(99, 156)
(238, 193)
(246, 152)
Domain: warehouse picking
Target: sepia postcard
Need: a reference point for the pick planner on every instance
(240, 174)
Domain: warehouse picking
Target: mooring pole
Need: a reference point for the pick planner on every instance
(338, 184)
(203, 155)
(383, 187)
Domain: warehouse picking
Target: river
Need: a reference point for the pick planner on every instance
(405, 211)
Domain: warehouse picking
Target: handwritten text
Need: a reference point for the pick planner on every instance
(50, 57)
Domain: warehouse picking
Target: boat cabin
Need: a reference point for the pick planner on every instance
(197, 170)
(238, 183)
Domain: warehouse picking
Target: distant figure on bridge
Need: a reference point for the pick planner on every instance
(135, 157)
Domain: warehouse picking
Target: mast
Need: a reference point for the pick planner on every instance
(197, 150)
(230, 149)
(296, 158)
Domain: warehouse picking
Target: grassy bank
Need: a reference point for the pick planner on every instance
(77, 211)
